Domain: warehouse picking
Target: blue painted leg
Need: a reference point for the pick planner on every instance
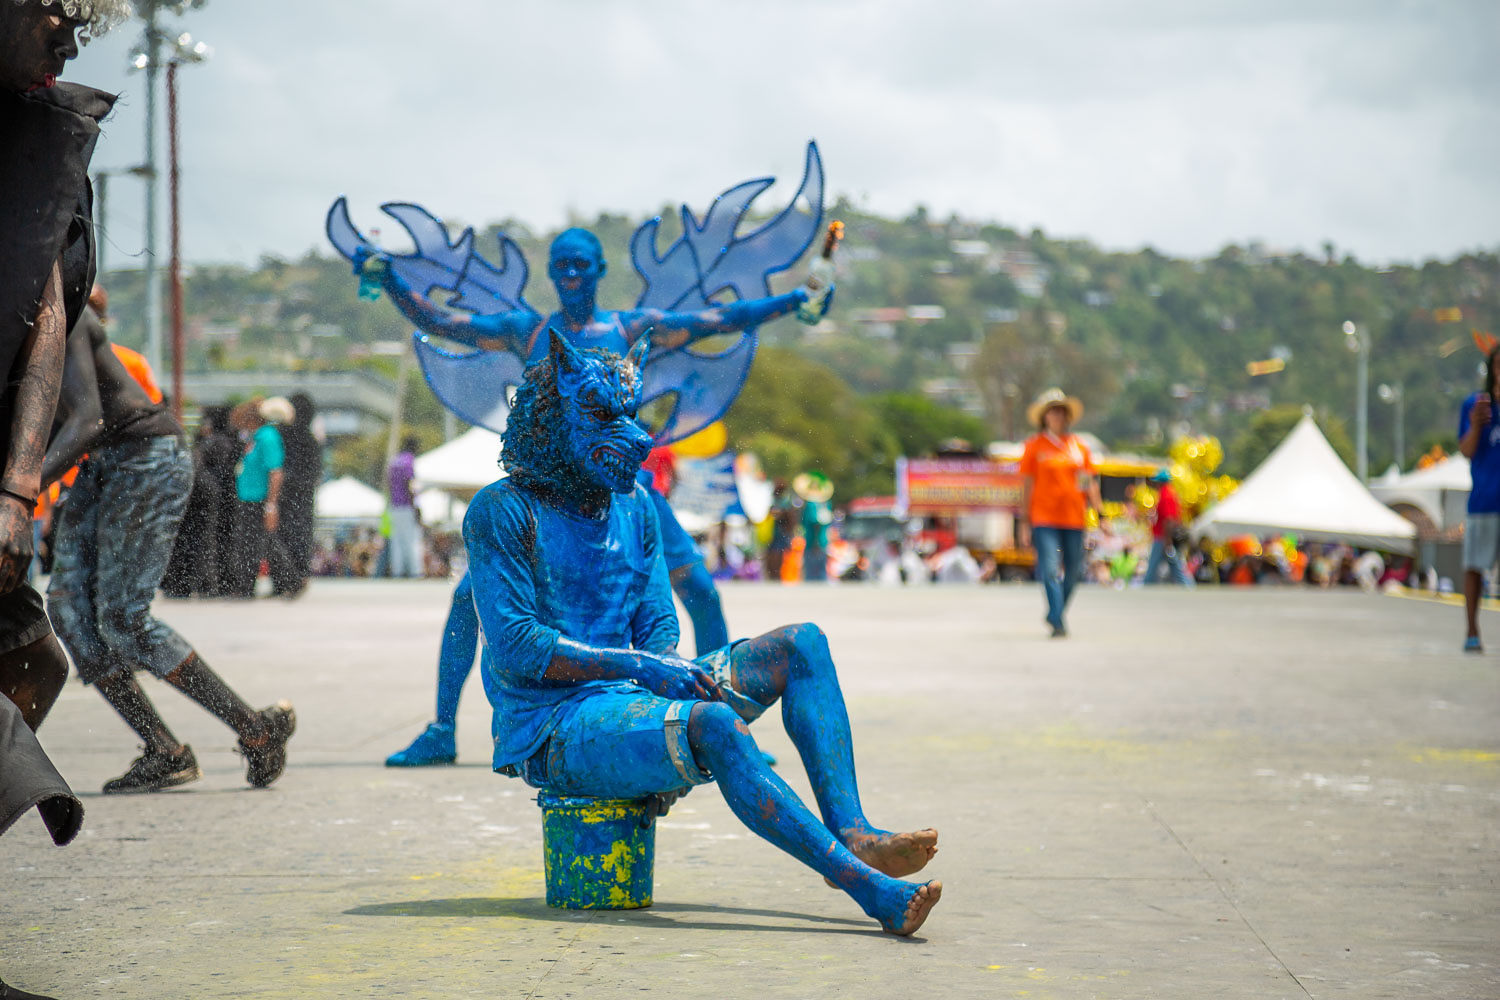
(696, 590)
(722, 743)
(794, 664)
(456, 655)
(438, 744)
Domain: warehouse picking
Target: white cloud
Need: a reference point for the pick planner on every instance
(1374, 126)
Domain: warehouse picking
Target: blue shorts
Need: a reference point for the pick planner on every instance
(623, 745)
(1481, 542)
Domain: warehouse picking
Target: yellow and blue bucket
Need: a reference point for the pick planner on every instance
(599, 854)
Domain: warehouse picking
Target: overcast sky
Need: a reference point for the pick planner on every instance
(1181, 125)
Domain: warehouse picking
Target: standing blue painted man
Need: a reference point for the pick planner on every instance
(576, 264)
(589, 695)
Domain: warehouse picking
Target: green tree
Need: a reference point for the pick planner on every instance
(798, 415)
(921, 427)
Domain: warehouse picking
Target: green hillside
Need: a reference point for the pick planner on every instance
(977, 318)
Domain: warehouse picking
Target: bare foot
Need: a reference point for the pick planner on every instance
(895, 854)
(917, 907)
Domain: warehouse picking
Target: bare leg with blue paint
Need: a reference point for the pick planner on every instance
(722, 744)
(793, 663)
(438, 742)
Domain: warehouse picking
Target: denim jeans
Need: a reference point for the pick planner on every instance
(113, 542)
(1165, 551)
(1058, 548)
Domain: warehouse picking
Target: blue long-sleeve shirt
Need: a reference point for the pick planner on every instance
(540, 572)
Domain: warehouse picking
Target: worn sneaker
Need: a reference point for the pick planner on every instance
(264, 763)
(437, 745)
(154, 770)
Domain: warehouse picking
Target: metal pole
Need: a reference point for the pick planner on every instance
(1400, 425)
(176, 230)
(101, 227)
(153, 287)
(1362, 425)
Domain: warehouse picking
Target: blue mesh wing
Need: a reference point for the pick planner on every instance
(708, 259)
(475, 385)
(453, 266)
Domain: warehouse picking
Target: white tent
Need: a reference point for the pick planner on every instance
(1440, 491)
(348, 499)
(440, 509)
(1303, 488)
(463, 466)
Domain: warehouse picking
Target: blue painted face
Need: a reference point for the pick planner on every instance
(575, 265)
(599, 402)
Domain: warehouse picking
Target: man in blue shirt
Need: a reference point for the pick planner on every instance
(1479, 441)
(257, 483)
(589, 695)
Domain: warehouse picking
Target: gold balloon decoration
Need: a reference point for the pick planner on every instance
(1193, 462)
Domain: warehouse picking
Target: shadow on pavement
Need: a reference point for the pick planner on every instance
(536, 908)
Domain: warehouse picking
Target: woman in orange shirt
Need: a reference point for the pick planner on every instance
(1059, 488)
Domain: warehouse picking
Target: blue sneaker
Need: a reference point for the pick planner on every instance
(1472, 645)
(436, 745)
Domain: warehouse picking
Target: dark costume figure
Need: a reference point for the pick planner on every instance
(47, 136)
(200, 553)
(302, 471)
(674, 311)
(589, 695)
(113, 542)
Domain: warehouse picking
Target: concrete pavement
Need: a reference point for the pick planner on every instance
(1227, 793)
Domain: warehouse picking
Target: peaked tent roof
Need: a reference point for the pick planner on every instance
(1303, 488)
(348, 499)
(1425, 489)
(463, 466)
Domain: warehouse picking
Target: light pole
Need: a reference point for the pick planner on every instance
(148, 58)
(1359, 343)
(1396, 394)
(101, 210)
(185, 51)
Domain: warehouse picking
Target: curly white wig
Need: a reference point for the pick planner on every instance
(98, 16)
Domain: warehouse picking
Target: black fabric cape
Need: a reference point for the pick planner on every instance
(27, 778)
(46, 140)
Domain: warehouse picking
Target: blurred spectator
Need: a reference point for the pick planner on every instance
(302, 471)
(405, 543)
(258, 487)
(1166, 533)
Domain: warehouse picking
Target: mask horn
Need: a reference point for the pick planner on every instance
(642, 347)
(565, 356)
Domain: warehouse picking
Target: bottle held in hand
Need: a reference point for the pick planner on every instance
(820, 277)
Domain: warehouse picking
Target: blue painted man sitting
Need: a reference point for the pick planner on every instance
(589, 695)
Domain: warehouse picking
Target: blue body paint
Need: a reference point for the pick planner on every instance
(550, 548)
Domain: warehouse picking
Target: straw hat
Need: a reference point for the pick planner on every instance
(277, 410)
(1051, 398)
(813, 487)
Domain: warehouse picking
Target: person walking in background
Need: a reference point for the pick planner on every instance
(405, 543)
(201, 553)
(1166, 528)
(816, 492)
(1479, 441)
(302, 471)
(258, 486)
(114, 539)
(1060, 485)
(783, 530)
